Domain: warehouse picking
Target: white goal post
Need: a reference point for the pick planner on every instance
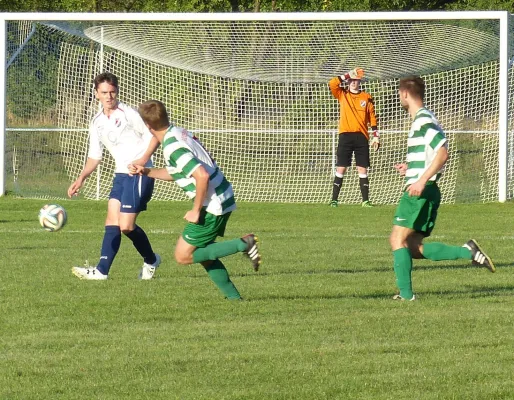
(253, 86)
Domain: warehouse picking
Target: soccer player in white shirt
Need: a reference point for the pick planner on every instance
(415, 215)
(120, 130)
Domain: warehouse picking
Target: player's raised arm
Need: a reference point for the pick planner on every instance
(335, 83)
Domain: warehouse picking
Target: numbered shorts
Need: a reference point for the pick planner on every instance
(350, 143)
(133, 192)
(208, 228)
(419, 212)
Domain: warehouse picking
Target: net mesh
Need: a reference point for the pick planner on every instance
(256, 94)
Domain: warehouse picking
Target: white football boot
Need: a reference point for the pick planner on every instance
(148, 270)
(88, 273)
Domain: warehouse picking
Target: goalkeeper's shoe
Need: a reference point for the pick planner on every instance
(87, 273)
(367, 204)
(398, 297)
(478, 257)
(334, 203)
(148, 270)
(252, 250)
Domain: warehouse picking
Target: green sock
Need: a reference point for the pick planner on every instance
(214, 251)
(441, 251)
(219, 275)
(403, 269)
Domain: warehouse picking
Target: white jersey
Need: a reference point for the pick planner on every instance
(123, 134)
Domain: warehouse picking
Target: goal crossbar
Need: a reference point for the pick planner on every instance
(503, 59)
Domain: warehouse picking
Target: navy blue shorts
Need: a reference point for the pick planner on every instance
(133, 192)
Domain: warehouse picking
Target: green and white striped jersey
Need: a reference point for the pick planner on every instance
(425, 138)
(183, 154)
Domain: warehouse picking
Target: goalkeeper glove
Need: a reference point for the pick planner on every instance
(375, 138)
(356, 73)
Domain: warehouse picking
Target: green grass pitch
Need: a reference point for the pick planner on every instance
(317, 323)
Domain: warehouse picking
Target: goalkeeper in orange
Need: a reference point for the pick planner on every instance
(357, 112)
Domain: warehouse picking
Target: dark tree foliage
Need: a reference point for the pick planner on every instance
(249, 5)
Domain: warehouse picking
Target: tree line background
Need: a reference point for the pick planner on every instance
(250, 5)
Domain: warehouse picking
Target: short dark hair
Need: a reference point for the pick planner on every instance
(106, 77)
(414, 85)
(154, 114)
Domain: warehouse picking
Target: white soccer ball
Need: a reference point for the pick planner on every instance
(52, 217)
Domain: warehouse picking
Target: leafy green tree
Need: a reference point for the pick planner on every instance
(250, 5)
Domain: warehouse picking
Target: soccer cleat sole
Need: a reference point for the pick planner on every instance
(253, 252)
(485, 261)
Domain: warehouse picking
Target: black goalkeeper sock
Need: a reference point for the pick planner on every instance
(336, 188)
(364, 184)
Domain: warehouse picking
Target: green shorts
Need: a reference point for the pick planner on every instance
(208, 228)
(419, 212)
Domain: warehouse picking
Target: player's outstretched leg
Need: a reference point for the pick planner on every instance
(252, 250)
(247, 244)
(478, 256)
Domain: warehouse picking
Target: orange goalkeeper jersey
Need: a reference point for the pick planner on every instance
(357, 110)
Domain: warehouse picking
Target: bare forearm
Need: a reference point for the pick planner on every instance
(202, 185)
(440, 159)
(201, 192)
(89, 167)
(157, 173)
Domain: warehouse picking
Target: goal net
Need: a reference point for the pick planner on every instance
(256, 94)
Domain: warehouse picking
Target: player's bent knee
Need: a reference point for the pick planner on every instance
(416, 246)
(397, 241)
(183, 259)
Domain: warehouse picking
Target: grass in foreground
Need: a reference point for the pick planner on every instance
(318, 322)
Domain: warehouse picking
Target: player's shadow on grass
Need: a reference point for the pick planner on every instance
(23, 248)
(5, 221)
(475, 292)
(305, 272)
(480, 292)
(440, 265)
(387, 269)
(340, 296)
(63, 247)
